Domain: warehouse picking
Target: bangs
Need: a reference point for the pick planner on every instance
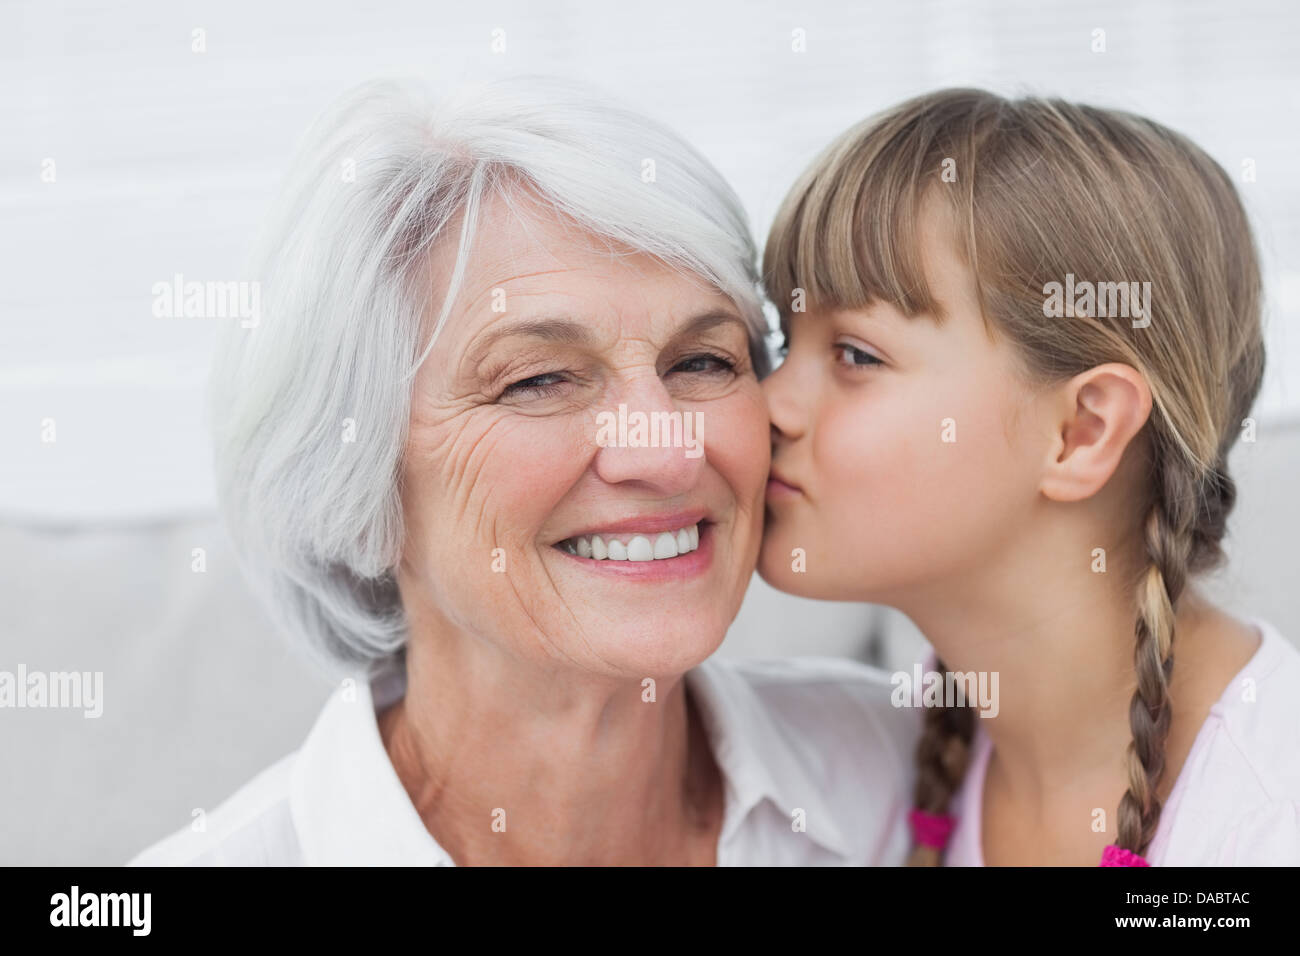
(848, 234)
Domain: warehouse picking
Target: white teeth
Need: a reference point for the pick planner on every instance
(665, 547)
(639, 549)
(658, 547)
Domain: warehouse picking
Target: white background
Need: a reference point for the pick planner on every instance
(165, 160)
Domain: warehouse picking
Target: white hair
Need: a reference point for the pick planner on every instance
(315, 517)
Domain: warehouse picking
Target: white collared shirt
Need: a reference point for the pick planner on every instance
(817, 735)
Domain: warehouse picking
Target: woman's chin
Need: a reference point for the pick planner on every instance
(662, 653)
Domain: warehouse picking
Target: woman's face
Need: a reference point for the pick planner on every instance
(534, 523)
(915, 448)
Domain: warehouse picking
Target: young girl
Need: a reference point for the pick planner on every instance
(1021, 338)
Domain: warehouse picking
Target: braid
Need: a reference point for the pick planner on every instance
(1183, 532)
(941, 757)
(1212, 520)
(1169, 536)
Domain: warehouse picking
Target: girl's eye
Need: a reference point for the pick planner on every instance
(536, 385)
(705, 362)
(855, 357)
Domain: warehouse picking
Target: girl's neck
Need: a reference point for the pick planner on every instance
(1063, 659)
(1066, 678)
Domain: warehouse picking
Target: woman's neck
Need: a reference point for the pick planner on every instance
(508, 763)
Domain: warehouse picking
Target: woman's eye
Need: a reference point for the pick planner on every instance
(545, 384)
(704, 362)
(851, 355)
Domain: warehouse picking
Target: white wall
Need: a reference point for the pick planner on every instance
(165, 158)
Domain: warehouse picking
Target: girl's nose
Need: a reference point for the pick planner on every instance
(786, 400)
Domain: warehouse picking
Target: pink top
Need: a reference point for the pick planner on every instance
(1236, 801)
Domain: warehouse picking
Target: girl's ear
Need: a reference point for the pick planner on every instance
(1101, 410)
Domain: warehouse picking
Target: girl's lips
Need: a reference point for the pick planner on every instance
(778, 490)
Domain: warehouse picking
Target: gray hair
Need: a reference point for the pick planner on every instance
(315, 517)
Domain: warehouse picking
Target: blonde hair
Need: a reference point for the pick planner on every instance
(1038, 189)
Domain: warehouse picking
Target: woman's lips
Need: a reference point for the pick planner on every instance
(648, 523)
(687, 565)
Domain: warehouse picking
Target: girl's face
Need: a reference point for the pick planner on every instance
(904, 451)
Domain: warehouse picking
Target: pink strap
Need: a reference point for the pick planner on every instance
(1118, 856)
(931, 829)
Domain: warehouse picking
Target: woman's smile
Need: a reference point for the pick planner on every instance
(644, 548)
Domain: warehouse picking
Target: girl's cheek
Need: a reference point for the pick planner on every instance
(902, 462)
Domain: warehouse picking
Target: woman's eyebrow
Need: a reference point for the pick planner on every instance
(565, 331)
(708, 320)
(558, 330)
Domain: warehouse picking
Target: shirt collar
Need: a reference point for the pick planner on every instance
(759, 758)
(348, 804)
(350, 809)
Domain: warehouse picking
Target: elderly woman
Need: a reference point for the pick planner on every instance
(418, 460)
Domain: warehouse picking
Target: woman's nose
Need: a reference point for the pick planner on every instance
(646, 438)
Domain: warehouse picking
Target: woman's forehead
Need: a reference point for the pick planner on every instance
(573, 279)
